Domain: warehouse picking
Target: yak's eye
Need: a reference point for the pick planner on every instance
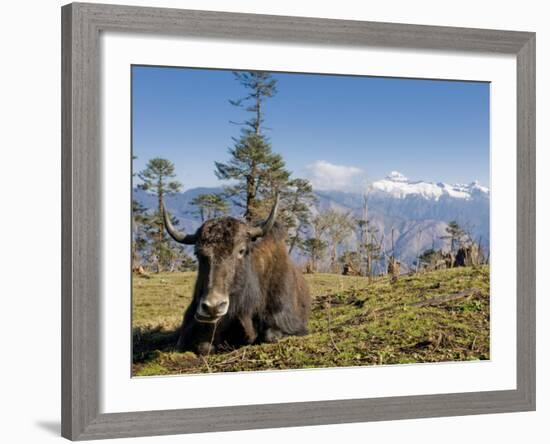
(242, 251)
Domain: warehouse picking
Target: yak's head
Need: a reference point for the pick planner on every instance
(221, 247)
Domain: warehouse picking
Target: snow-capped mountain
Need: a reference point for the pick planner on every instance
(418, 211)
(396, 197)
(398, 186)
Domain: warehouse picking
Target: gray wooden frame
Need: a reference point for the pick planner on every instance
(81, 166)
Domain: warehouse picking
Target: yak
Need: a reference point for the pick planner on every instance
(247, 290)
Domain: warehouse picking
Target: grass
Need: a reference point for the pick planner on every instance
(352, 323)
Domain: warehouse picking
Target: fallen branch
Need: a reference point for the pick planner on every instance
(428, 302)
(205, 360)
(239, 357)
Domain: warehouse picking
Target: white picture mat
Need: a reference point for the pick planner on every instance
(120, 392)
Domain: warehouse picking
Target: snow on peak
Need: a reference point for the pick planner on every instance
(396, 176)
(398, 186)
(477, 187)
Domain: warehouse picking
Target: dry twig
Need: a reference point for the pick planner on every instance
(205, 359)
(329, 325)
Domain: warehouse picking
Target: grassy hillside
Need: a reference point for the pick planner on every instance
(430, 317)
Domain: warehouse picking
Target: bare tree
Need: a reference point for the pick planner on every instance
(418, 241)
(315, 246)
(158, 178)
(337, 227)
(394, 266)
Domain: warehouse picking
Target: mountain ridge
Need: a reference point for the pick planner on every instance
(399, 186)
(417, 212)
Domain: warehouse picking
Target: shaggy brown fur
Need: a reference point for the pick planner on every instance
(268, 296)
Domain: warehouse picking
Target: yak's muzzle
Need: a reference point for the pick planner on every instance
(212, 307)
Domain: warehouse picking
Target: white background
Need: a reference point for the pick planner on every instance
(120, 393)
(30, 182)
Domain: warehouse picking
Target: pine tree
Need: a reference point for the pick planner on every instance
(139, 241)
(158, 179)
(139, 237)
(261, 86)
(210, 205)
(257, 170)
(455, 234)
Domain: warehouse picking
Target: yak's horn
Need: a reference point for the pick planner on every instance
(263, 229)
(188, 239)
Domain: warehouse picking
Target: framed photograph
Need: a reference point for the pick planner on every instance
(278, 221)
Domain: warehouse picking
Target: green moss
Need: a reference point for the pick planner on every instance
(370, 324)
(152, 369)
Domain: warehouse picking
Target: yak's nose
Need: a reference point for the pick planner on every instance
(215, 309)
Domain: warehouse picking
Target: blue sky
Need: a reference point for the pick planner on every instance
(338, 131)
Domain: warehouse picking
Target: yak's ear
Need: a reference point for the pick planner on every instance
(262, 230)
